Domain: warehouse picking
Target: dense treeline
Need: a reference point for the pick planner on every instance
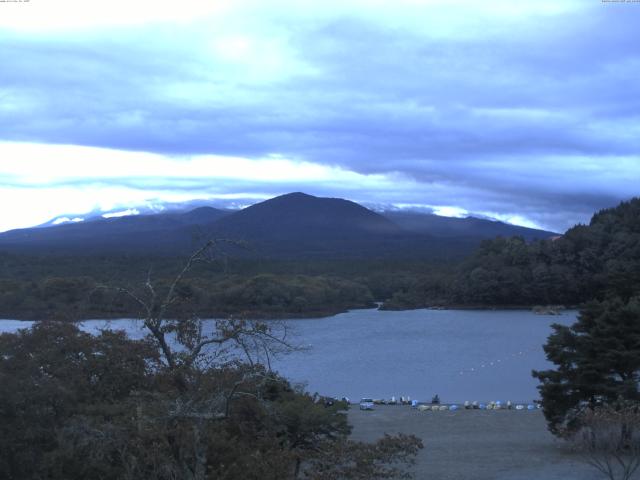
(258, 296)
(84, 287)
(594, 261)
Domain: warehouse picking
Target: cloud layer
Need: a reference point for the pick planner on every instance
(522, 110)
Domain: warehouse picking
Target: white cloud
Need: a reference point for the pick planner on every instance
(61, 220)
(512, 218)
(85, 15)
(45, 181)
(433, 16)
(41, 164)
(122, 213)
(450, 211)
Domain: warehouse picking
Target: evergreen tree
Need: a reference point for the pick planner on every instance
(597, 360)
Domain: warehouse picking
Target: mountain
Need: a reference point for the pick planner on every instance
(301, 215)
(129, 234)
(462, 227)
(155, 207)
(301, 225)
(295, 225)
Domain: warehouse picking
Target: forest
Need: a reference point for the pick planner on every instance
(74, 288)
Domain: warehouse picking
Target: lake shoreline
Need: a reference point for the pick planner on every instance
(266, 316)
(252, 316)
(479, 307)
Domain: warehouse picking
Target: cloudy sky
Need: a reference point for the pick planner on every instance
(524, 110)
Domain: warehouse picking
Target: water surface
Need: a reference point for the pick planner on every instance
(458, 354)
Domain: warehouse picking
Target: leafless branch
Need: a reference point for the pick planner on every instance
(609, 439)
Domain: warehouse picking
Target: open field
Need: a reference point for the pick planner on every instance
(476, 444)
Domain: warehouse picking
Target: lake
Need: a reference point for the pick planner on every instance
(459, 354)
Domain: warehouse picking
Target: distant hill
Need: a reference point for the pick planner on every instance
(439, 226)
(129, 234)
(140, 210)
(295, 225)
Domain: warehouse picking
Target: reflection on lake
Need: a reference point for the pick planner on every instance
(459, 354)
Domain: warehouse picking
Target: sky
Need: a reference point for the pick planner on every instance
(526, 111)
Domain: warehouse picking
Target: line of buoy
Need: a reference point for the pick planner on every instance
(494, 363)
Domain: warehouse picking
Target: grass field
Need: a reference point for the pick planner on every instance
(477, 444)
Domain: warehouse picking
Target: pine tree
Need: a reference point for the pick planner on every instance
(597, 361)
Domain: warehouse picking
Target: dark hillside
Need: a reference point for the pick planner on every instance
(136, 234)
(293, 226)
(302, 215)
(462, 227)
(300, 225)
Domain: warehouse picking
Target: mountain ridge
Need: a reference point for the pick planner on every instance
(294, 224)
(441, 226)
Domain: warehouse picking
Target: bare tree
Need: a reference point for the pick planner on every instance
(190, 348)
(185, 341)
(609, 439)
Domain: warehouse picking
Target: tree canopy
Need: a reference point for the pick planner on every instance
(77, 406)
(597, 360)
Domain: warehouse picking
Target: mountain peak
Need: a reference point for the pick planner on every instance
(298, 213)
(291, 197)
(295, 195)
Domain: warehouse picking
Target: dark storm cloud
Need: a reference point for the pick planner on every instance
(523, 117)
